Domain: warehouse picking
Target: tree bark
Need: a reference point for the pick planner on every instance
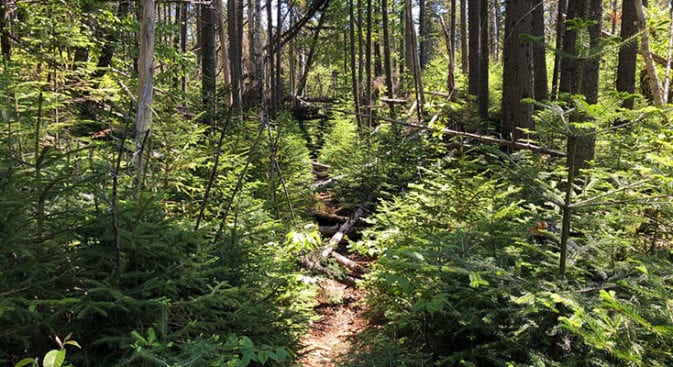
(483, 97)
(235, 30)
(669, 56)
(517, 60)
(207, 27)
(650, 67)
(474, 25)
(450, 78)
(5, 30)
(387, 59)
(301, 88)
(413, 62)
(463, 37)
(353, 66)
(540, 82)
(626, 66)
(145, 81)
(560, 32)
(224, 49)
(579, 75)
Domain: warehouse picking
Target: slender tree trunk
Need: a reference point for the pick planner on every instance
(483, 97)
(354, 73)
(579, 75)
(450, 78)
(368, 62)
(145, 81)
(277, 91)
(387, 59)
(517, 58)
(496, 30)
(235, 28)
(5, 30)
(301, 90)
(669, 56)
(560, 32)
(650, 67)
(224, 48)
(540, 82)
(452, 29)
(207, 27)
(626, 66)
(413, 62)
(463, 37)
(361, 46)
(183, 49)
(473, 24)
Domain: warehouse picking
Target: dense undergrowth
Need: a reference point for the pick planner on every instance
(464, 276)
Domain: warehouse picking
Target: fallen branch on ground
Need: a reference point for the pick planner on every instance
(338, 237)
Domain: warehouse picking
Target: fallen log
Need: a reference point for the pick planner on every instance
(320, 165)
(329, 216)
(339, 236)
(329, 230)
(326, 183)
(349, 264)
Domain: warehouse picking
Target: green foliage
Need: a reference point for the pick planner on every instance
(459, 282)
(53, 358)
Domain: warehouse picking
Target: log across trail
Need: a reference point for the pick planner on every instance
(338, 307)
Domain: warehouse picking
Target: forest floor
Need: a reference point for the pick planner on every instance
(341, 319)
(340, 310)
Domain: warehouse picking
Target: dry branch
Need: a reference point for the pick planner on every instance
(330, 216)
(349, 264)
(338, 237)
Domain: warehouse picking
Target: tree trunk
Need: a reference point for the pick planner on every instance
(450, 78)
(463, 37)
(516, 71)
(669, 56)
(579, 75)
(540, 83)
(235, 30)
(413, 62)
(473, 24)
(452, 29)
(5, 30)
(626, 66)
(650, 67)
(483, 97)
(368, 62)
(495, 37)
(387, 59)
(301, 88)
(145, 81)
(354, 73)
(560, 32)
(207, 26)
(224, 48)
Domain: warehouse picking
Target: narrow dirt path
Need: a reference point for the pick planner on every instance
(341, 318)
(340, 312)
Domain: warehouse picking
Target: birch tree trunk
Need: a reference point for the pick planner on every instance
(146, 81)
(650, 67)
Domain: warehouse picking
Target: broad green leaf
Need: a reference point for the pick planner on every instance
(26, 362)
(54, 358)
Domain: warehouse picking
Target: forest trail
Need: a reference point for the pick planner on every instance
(340, 310)
(341, 319)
